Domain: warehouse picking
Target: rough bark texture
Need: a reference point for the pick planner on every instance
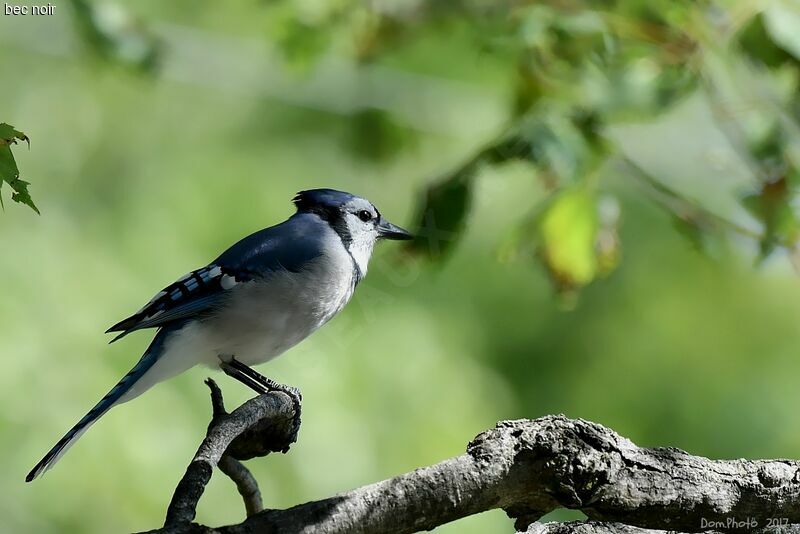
(262, 425)
(595, 527)
(527, 468)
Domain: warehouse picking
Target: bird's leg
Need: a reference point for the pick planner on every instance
(261, 384)
(245, 379)
(270, 384)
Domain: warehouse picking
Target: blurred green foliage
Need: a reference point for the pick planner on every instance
(528, 141)
(581, 66)
(110, 33)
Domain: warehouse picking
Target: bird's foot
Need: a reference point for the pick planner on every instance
(262, 384)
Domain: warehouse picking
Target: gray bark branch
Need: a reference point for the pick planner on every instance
(599, 527)
(246, 484)
(261, 425)
(529, 468)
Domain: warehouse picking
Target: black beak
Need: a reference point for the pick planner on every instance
(387, 230)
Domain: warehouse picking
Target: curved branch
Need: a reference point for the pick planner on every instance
(531, 467)
(236, 436)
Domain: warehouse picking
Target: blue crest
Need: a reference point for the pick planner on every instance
(321, 198)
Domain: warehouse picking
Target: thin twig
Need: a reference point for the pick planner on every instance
(245, 483)
(684, 207)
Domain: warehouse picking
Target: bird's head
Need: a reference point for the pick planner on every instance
(356, 220)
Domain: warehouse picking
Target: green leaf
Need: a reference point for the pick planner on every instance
(757, 43)
(692, 230)
(772, 206)
(568, 230)
(9, 135)
(303, 44)
(375, 136)
(9, 172)
(8, 167)
(442, 213)
(21, 194)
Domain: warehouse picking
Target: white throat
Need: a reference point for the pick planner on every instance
(361, 251)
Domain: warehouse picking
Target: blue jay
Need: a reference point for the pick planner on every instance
(262, 296)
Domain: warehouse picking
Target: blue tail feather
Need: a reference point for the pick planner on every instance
(111, 398)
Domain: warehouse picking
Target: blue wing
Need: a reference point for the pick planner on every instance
(196, 293)
(289, 245)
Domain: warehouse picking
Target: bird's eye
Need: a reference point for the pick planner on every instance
(364, 215)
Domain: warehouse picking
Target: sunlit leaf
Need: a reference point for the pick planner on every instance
(568, 230)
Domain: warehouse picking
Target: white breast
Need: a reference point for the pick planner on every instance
(265, 318)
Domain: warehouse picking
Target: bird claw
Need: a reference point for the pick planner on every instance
(297, 402)
(262, 385)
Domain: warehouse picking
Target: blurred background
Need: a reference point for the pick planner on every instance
(605, 196)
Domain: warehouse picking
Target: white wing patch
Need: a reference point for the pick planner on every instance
(190, 294)
(227, 281)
